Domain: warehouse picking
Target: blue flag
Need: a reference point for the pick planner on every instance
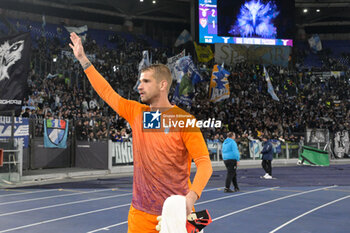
(21, 129)
(276, 146)
(80, 31)
(55, 133)
(183, 38)
(315, 43)
(187, 76)
(143, 64)
(270, 89)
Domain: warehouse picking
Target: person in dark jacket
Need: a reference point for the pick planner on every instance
(231, 157)
(267, 156)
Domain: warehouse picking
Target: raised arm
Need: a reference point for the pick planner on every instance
(78, 50)
(122, 106)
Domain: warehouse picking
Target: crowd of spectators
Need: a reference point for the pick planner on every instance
(59, 89)
(305, 102)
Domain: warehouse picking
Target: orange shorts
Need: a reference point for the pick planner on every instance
(141, 222)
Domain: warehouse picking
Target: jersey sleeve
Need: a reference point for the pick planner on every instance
(198, 151)
(125, 108)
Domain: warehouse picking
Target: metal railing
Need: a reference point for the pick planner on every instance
(288, 150)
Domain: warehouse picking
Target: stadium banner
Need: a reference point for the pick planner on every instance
(172, 62)
(255, 148)
(231, 54)
(121, 153)
(21, 129)
(1, 157)
(14, 68)
(145, 62)
(276, 146)
(204, 53)
(327, 74)
(69, 54)
(315, 43)
(219, 87)
(317, 136)
(188, 77)
(335, 74)
(80, 31)
(212, 146)
(77, 30)
(313, 156)
(341, 144)
(270, 88)
(183, 38)
(55, 133)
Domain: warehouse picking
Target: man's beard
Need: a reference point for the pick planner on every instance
(145, 100)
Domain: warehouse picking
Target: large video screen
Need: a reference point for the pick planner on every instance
(257, 22)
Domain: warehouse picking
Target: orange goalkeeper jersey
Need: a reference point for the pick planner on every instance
(162, 160)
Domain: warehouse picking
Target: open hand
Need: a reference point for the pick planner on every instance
(77, 46)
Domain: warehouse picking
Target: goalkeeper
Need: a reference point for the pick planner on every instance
(162, 159)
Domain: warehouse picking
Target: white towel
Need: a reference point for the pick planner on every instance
(174, 215)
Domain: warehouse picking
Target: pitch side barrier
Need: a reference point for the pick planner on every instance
(11, 161)
(120, 153)
(107, 155)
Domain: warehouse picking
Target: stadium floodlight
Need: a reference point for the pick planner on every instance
(141, 0)
(318, 10)
(305, 10)
(154, 2)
